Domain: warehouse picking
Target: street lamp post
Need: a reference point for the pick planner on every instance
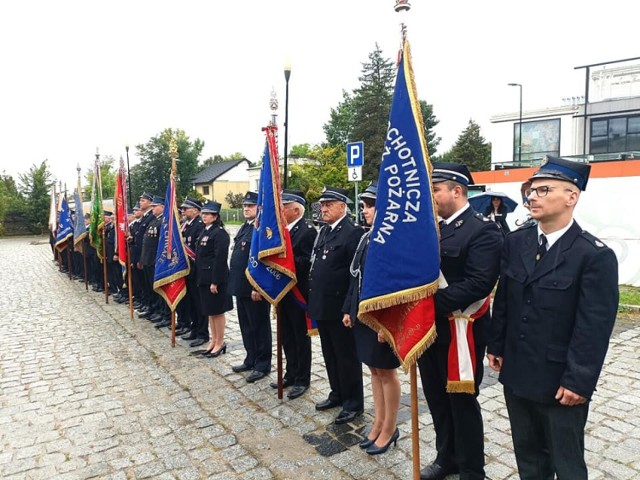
(126, 147)
(287, 75)
(520, 123)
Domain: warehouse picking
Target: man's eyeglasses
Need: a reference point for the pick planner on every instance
(542, 191)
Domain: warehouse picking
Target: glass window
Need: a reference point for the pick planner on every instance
(634, 125)
(633, 142)
(205, 190)
(599, 128)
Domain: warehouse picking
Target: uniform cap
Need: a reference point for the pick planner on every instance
(147, 196)
(190, 202)
(157, 200)
(561, 169)
(250, 198)
(290, 196)
(211, 207)
(371, 191)
(457, 172)
(330, 194)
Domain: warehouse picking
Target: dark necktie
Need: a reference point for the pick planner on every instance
(542, 247)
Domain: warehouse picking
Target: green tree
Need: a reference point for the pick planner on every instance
(300, 151)
(329, 167)
(234, 199)
(107, 175)
(35, 187)
(152, 173)
(339, 128)
(471, 149)
(371, 106)
(364, 114)
(430, 121)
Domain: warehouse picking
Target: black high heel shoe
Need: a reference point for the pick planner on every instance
(367, 442)
(217, 353)
(376, 450)
(206, 352)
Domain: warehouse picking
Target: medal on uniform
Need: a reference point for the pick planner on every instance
(242, 245)
(324, 254)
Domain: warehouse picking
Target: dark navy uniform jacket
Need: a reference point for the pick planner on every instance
(110, 240)
(212, 252)
(303, 235)
(191, 233)
(150, 241)
(329, 275)
(138, 237)
(470, 249)
(238, 283)
(552, 321)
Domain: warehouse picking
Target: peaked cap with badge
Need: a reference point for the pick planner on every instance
(190, 202)
(147, 196)
(566, 170)
(457, 172)
(157, 200)
(331, 194)
(211, 207)
(250, 198)
(371, 192)
(291, 196)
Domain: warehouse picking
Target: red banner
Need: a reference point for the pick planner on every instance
(122, 223)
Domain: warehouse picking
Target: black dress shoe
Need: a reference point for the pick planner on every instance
(297, 391)
(255, 376)
(286, 382)
(163, 323)
(182, 331)
(197, 342)
(189, 336)
(436, 472)
(243, 367)
(327, 404)
(346, 416)
(156, 318)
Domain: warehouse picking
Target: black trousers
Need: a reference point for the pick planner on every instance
(255, 327)
(155, 301)
(295, 342)
(457, 419)
(343, 367)
(137, 282)
(548, 439)
(199, 321)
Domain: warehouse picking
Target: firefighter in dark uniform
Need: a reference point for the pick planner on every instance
(114, 272)
(296, 343)
(329, 277)
(196, 325)
(148, 260)
(469, 264)
(144, 311)
(136, 281)
(553, 314)
(253, 310)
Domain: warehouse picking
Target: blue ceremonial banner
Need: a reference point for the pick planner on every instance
(79, 228)
(65, 225)
(403, 260)
(271, 269)
(172, 265)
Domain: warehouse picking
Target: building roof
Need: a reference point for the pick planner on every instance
(212, 172)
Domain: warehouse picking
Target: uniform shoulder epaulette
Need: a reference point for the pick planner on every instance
(592, 239)
(481, 217)
(523, 228)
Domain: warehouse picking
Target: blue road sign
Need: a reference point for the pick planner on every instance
(355, 154)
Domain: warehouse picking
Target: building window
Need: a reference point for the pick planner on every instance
(615, 134)
(539, 138)
(205, 190)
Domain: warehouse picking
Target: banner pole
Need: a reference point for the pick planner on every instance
(415, 429)
(279, 350)
(173, 328)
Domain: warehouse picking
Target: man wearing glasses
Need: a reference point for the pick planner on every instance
(553, 314)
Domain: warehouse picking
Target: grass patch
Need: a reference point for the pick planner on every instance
(629, 295)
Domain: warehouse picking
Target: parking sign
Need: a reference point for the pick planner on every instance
(355, 161)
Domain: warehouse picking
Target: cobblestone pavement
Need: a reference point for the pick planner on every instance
(86, 392)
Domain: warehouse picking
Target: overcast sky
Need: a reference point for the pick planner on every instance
(77, 75)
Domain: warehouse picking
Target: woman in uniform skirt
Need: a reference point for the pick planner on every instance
(212, 272)
(372, 350)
